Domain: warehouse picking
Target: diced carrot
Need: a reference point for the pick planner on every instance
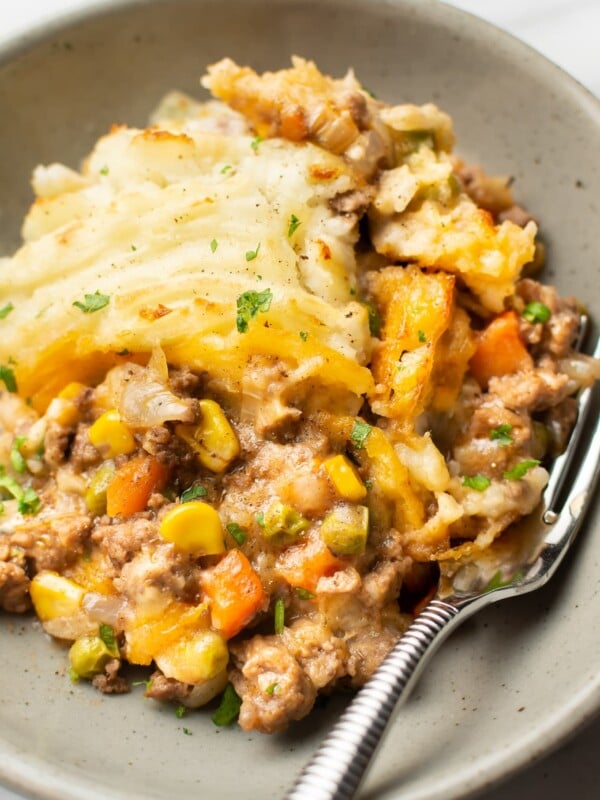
(303, 564)
(500, 350)
(130, 489)
(235, 591)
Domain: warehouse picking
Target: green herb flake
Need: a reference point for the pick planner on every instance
(7, 376)
(180, 711)
(501, 435)
(279, 615)
(92, 302)
(10, 484)
(374, 319)
(536, 312)
(293, 226)
(104, 170)
(478, 482)
(123, 352)
(187, 731)
(5, 310)
(226, 169)
(422, 337)
(73, 675)
(147, 683)
(260, 518)
(213, 245)
(133, 247)
(303, 335)
(107, 634)
(29, 503)
(352, 291)
(251, 254)
(1, 508)
(520, 469)
(193, 493)
(255, 142)
(497, 582)
(248, 306)
(304, 594)
(238, 533)
(359, 434)
(369, 483)
(16, 458)
(229, 708)
(274, 688)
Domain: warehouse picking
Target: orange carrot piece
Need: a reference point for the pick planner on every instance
(303, 564)
(130, 489)
(500, 350)
(236, 593)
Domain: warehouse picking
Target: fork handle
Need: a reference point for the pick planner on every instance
(339, 764)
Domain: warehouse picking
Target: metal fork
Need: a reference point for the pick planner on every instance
(341, 761)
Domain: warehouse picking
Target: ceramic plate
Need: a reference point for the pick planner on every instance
(514, 680)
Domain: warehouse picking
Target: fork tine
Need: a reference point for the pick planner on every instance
(562, 464)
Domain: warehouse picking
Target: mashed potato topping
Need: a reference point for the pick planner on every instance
(265, 364)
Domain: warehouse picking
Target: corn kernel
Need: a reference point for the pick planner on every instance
(71, 390)
(194, 527)
(88, 656)
(346, 480)
(345, 530)
(54, 596)
(194, 659)
(282, 523)
(213, 439)
(111, 436)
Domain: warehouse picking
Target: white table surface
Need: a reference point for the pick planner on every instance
(567, 32)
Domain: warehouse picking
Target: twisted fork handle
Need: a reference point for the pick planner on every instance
(338, 766)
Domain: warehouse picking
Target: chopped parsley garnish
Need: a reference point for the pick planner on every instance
(16, 458)
(536, 312)
(104, 171)
(260, 518)
(359, 434)
(303, 335)
(422, 337)
(255, 142)
(272, 689)
(180, 711)
(10, 484)
(5, 310)
(279, 615)
(229, 708)
(226, 168)
(496, 582)
(147, 683)
(92, 302)
(187, 731)
(7, 375)
(29, 502)
(107, 634)
(520, 469)
(213, 245)
(133, 247)
(294, 225)
(501, 434)
(304, 594)
(193, 493)
(478, 482)
(374, 319)
(238, 533)
(251, 254)
(248, 306)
